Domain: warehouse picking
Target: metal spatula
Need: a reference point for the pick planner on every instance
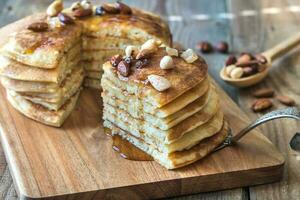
(291, 112)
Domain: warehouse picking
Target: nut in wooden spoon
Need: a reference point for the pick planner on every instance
(236, 73)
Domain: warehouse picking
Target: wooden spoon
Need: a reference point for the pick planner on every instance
(270, 55)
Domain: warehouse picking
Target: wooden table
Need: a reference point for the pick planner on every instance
(247, 26)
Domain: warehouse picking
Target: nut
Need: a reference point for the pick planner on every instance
(55, 8)
(145, 53)
(264, 92)
(123, 68)
(81, 12)
(141, 63)
(244, 58)
(159, 83)
(229, 69)
(75, 5)
(38, 27)
(99, 11)
(54, 22)
(150, 45)
(189, 56)
(236, 73)
(130, 50)
(123, 8)
(248, 71)
(286, 100)
(65, 19)
(261, 59)
(115, 60)
(230, 60)
(222, 47)
(204, 47)
(166, 62)
(261, 104)
(110, 8)
(86, 4)
(171, 51)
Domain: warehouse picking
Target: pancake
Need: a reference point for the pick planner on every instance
(99, 55)
(208, 104)
(182, 78)
(96, 43)
(139, 26)
(94, 75)
(95, 65)
(41, 49)
(162, 112)
(40, 113)
(16, 70)
(28, 86)
(92, 83)
(179, 158)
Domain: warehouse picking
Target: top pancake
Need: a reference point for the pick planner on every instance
(182, 77)
(41, 49)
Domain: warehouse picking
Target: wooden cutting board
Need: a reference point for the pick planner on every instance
(77, 160)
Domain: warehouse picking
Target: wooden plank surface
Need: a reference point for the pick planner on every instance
(254, 33)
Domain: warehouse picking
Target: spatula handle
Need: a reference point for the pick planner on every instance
(283, 47)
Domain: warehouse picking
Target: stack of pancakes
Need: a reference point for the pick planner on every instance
(110, 34)
(177, 126)
(41, 72)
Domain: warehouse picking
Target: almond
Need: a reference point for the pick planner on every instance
(236, 73)
(189, 56)
(65, 19)
(55, 8)
(38, 27)
(123, 68)
(166, 62)
(171, 51)
(286, 100)
(159, 83)
(150, 45)
(264, 92)
(261, 105)
(123, 8)
(144, 53)
(110, 8)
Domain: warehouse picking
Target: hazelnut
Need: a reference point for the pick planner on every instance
(171, 51)
(230, 60)
(65, 19)
(205, 47)
(236, 73)
(246, 57)
(123, 8)
(166, 62)
(229, 69)
(189, 56)
(86, 5)
(123, 68)
(130, 50)
(159, 83)
(54, 8)
(222, 47)
(115, 60)
(38, 27)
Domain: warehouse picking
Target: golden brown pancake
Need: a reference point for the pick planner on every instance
(41, 49)
(182, 77)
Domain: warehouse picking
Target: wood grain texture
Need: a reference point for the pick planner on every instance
(249, 33)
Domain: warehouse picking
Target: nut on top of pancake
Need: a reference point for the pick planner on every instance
(159, 70)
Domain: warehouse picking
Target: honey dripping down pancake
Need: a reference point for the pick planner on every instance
(158, 102)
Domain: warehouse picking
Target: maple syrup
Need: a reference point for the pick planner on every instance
(126, 149)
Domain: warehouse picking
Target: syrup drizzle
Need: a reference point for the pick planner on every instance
(127, 150)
